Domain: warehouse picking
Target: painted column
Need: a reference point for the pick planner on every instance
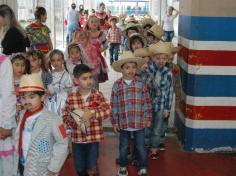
(206, 120)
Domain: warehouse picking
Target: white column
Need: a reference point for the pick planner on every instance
(156, 10)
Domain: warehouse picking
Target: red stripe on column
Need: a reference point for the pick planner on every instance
(207, 57)
(208, 112)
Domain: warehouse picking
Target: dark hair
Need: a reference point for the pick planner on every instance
(131, 28)
(23, 58)
(73, 45)
(81, 69)
(73, 5)
(151, 34)
(39, 93)
(53, 52)
(40, 11)
(101, 4)
(133, 40)
(147, 26)
(126, 63)
(40, 56)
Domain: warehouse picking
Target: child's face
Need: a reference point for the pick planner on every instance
(136, 45)
(130, 32)
(18, 67)
(113, 23)
(35, 62)
(57, 62)
(82, 40)
(151, 39)
(75, 55)
(31, 101)
(93, 23)
(160, 60)
(85, 81)
(129, 70)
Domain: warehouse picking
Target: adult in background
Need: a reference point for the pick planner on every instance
(38, 33)
(12, 35)
(73, 18)
(168, 24)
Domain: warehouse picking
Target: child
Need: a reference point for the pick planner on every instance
(61, 83)
(76, 57)
(160, 82)
(42, 141)
(89, 105)
(37, 66)
(7, 117)
(136, 41)
(114, 39)
(20, 66)
(155, 34)
(131, 110)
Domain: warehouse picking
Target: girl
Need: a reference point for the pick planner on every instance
(94, 60)
(136, 41)
(61, 83)
(76, 56)
(37, 66)
(20, 66)
(98, 39)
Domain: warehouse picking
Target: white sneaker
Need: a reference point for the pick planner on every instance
(122, 171)
(142, 172)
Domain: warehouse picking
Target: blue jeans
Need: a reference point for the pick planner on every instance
(168, 36)
(139, 142)
(158, 129)
(114, 52)
(71, 28)
(85, 156)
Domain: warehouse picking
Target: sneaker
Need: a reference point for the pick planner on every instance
(162, 146)
(122, 171)
(142, 172)
(154, 156)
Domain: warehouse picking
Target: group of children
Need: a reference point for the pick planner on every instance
(58, 96)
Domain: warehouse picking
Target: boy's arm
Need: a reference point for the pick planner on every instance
(67, 119)
(169, 94)
(114, 106)
(60, 147)
(147, 104)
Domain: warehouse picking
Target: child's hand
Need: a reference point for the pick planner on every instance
(148, 124)
(87, 115)
(116, 128)
(4, 133)
(166, 114)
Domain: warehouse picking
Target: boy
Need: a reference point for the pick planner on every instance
(43, 143)
(114, 38)
(84, 112)
(131, 110)
(160, 83)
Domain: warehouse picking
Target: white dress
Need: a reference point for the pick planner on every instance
(59, 88)
(7, 115)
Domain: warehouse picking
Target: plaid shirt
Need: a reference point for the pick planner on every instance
(131, 104)
(95, 129)
(114, 36)
(160, 83)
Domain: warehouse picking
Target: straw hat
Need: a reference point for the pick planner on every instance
(130, 25)
(156, 30)
(131, 19)
(112, 18)
(127, 57)
(160, 48)
(139, 36)
(142, 52)
(32, 82)
(147, 21)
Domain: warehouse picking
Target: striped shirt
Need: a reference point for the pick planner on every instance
(95, 129)
(160, 83)
(114, 35)
(131, 104)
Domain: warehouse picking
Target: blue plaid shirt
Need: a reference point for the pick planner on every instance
(160, 84)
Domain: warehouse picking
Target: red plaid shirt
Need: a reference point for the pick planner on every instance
(114, 36)
(102, 111)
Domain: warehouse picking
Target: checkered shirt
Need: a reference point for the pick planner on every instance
(114, 35)
(95, 129)
(131, 104)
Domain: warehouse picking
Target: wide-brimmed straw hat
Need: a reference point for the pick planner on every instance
(131, 25)
(142, 52)
(147, 21)
(128, 57)
(143, 39)
(131, 19)
(31, 82)
(113, 18)
(160, 48)
(157, 31)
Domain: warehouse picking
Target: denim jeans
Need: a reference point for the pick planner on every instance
(158, 129)
(168, 36)
(71, 28)
(114, 52)
(139, 142)
(85, 156)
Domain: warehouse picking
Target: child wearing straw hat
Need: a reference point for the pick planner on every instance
(42, 143)
(114, 39)
(131, 110)
(154, 34)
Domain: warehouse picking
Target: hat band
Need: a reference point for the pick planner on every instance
(32, 87)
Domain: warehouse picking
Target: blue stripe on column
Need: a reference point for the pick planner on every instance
(207, 28)
(208, 85)
(204, 139)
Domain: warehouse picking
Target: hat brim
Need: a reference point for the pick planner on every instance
(149, 31)
(142, 52)
(118, 64)
(130, 26)
(31, 88)
(112, 18)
